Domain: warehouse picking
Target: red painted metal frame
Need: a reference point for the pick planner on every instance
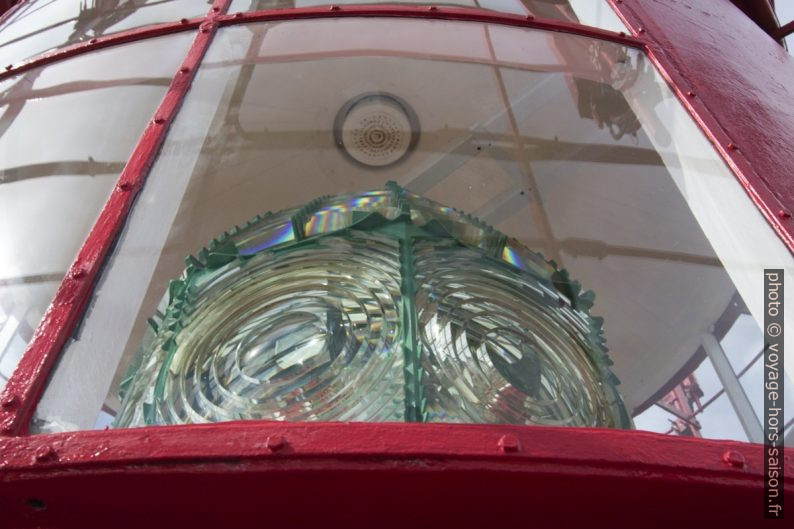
(24, 388)
(402, 11)
(430, 12)
(236, 474)
(741, 102)
(720, 480)
(8, 7)
(114, 39)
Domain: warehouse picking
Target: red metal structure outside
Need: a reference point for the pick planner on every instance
(241, 473)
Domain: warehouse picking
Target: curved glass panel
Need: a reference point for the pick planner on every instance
(50, 196)
(532, 142)
(382, 306)
(38, 26)
(596, 13)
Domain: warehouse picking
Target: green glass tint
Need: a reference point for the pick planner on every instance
(379, 306)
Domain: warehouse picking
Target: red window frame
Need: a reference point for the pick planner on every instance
(709, 86)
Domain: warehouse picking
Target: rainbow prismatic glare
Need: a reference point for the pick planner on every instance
(510, 255)
(272, 237)
(338, 212)
(378, 306)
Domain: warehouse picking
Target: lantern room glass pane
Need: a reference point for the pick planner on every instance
(467, 227)
(39, 26)
(596, 13)
(66, 131)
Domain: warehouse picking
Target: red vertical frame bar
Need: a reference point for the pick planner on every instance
(707, 66)
(22, 392)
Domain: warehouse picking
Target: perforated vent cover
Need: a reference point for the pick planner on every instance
(376, 130)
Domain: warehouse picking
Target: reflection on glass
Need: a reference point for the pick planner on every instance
(372, 318)
(573, 147)
(64, 139)
(38, 26)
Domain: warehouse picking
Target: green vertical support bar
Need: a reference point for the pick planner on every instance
(412, 348)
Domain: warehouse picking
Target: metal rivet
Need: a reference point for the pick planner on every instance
(509, 443)
(183, 21)
(9, 67)
(184, 69)
(691, 93)
(159, 120)
(93, 41)
(433, 8)
(334, 8)
(238, 14)
(77, 273)
(45, 453)
(641, 31)
(734, 459)
(622, 33)
(530, 17)
(216, 9)
(732, 146)
(9, 401)
(275, 442)
(783, 214)
(125, 186)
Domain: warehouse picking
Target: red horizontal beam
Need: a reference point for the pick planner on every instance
(384, 10)
(430, 12)
(604, 449)
(233, 473)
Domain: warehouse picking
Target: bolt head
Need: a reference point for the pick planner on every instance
(9, 66)
(45, 453)
(432, 8)
(159, 120)
(275, 442)
(732, 146)
(9, 401)
(125, 186)
(691, 93)
(77, 273)
(783, 214)
(734, 459)
(509, 443)
(183, 21)
(238, 14)
(530, 17)
(334, 8)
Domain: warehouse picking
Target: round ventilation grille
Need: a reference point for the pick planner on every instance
(376, 130)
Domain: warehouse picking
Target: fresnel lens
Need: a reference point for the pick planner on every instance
(379, 306)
